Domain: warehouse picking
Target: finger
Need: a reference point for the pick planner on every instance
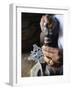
(42, 23)
(42, 20)
(48, 61)
(50, 49)
(54, 57)
(51, 62)
(48, 54)
(45, 18)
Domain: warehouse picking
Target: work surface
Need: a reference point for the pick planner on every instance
(26, 65)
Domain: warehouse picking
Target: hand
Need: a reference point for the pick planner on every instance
(43, 22)
(52, 56)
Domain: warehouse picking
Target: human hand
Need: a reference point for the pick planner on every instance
(52, 56)
(43, 22)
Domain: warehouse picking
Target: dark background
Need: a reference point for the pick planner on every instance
(30, 26)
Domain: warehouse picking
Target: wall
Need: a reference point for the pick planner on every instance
(4, 40)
